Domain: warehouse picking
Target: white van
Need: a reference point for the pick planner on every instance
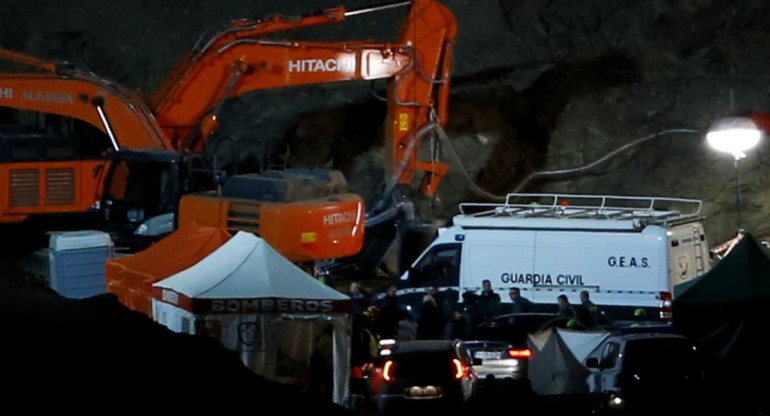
(627, 252)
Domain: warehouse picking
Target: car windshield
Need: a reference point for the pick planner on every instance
(660, 358)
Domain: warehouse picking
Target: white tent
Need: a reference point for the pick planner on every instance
(556, 367)
(582, 343)
(264, 307)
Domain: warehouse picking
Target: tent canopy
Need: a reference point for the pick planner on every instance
(131, 277)
(257, 303)
(743, 276)
(556, 366)
(580, 343)
(724, 313)
(247, 275)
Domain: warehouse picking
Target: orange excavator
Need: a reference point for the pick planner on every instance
(52, 163)
(239, 59)
(305, 214)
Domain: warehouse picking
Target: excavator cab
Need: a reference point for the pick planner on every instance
(141, 195)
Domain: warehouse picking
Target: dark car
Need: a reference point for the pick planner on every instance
(642, 371)
(426, 374)
(499, 348)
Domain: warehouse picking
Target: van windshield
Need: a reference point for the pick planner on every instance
(440, 266)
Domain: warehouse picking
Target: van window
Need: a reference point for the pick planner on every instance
(438, 267)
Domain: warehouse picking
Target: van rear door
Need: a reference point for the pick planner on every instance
(688, 253)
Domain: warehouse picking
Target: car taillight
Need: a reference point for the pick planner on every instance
(459, 367)
(525, 353)
(387, 371)
(665, 305)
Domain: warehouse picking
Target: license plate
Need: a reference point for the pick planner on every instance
(486, 355)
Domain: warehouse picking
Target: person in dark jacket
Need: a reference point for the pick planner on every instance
(430, 325)
(360, 298)
(487, 304)
(565, 309)
(588, 312)
(363, 341)
(322, 364)
(459, 326)
(390, 314)
(518, 303)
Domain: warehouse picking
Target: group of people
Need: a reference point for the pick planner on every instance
(376, 318)
(439, 320)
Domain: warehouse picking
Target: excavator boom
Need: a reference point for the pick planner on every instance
(422, 95)
(64, 90)
(217, 38)
(247, 65)
(99, 104)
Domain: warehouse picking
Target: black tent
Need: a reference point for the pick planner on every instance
(726, 313)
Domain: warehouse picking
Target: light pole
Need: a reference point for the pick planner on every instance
(735, 136)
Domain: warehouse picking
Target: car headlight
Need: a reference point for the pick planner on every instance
(616, 401)
(142, 230)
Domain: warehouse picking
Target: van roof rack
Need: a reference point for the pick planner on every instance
(611, 207)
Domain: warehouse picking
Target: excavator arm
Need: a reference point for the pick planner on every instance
(420, 96)
(218, 39)
(63, 90)
(247, 65)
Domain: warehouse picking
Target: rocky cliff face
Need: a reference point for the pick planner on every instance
(538, 85)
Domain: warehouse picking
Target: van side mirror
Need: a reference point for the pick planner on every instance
(478, 361)
(406, 276)
(592, 362)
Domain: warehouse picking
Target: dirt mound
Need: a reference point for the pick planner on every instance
(92, 349)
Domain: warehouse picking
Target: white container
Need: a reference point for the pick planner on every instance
(76, 261)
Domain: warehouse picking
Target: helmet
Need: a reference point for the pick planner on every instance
(372, 312)
(572, 324)
(640, 313)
